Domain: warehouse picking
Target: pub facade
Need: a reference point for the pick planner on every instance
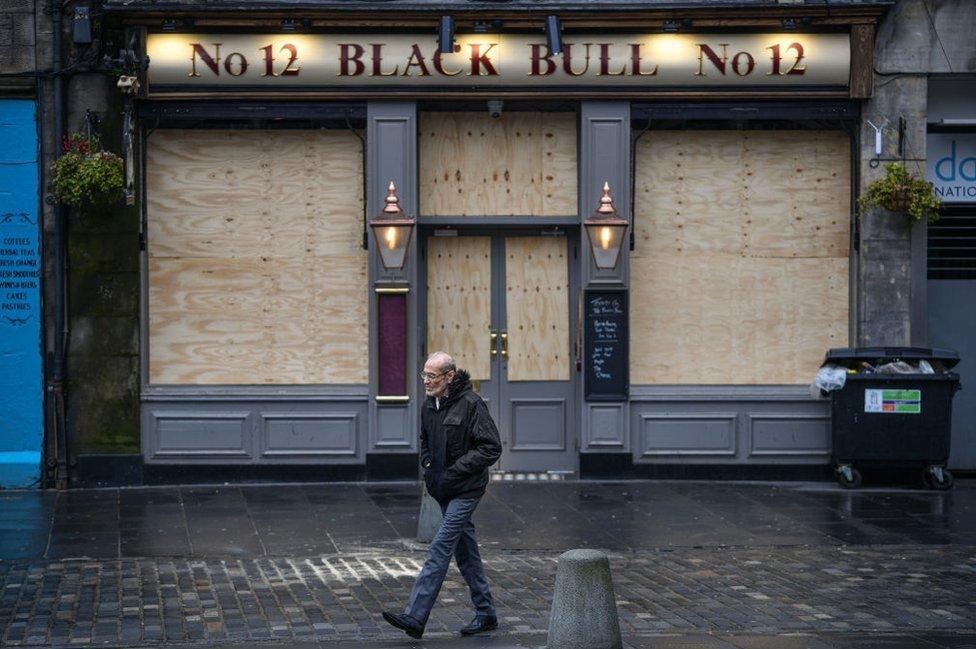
(283, 322)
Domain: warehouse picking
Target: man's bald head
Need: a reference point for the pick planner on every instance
(443, 361)
(439, 371)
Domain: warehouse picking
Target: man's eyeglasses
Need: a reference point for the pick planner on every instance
(427, 376)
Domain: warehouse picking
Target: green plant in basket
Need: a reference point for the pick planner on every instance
(902, 192)
(85, 175)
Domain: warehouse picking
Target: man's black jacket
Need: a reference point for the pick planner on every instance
(458, 442)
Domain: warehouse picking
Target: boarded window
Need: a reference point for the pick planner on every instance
(256, 272)
(519, 164)
(740, 272)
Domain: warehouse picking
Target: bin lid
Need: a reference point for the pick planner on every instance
(851, 356)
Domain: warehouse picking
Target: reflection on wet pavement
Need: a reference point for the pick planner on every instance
(315, 519)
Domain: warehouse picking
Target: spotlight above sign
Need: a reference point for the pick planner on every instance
(636, 61)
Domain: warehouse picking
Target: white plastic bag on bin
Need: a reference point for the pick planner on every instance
(830, 377)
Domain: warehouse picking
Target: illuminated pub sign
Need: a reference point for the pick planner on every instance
(635, 61)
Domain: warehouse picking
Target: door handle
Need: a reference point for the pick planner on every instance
(504, 337)
(492, 345)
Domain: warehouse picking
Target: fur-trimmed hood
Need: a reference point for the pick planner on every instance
(460, 384)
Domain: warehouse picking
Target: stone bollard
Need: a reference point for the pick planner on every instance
(584, 610)
(430, 517)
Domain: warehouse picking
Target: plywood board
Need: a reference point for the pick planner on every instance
(459, 301)
(537, 308)
(522, 164)
(740, 271)
(256, 274)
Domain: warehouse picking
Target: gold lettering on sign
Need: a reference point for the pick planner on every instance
(416, 60)
(605, 63)
(378, 62)
(268, 62)
(293, 51)
(706, 51)
(479, 58)
(796, 68)
(351, 53)
(777, 59)
(643, 61)
(737, 63)
(212, 62)
(635, 62)
(537, 59)
(568, 60)
(439, 64)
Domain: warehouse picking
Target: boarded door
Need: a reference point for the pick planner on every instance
(500, 305)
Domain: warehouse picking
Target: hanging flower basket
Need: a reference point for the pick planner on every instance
(903, 193)
(85, 176)
(900, 199)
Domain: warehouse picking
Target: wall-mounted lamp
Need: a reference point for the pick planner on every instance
(289, 25)
(391, 231)
(554, 34)
(445, 36)
(169, 25)
(606, 232)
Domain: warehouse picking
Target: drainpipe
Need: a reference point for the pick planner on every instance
(58, 373)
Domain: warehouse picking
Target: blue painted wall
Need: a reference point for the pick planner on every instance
(21, 380)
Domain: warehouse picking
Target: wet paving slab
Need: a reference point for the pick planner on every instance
(695, 564)
(921, 640)
(283, 520)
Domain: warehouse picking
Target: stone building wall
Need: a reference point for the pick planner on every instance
(102, 248)
(915, 39)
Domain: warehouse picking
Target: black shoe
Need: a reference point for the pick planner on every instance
(481, 624)
(404, 623)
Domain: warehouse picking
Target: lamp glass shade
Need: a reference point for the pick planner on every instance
(392, 240)
(606, 238)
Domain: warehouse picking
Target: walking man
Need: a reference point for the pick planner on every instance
(458, 442)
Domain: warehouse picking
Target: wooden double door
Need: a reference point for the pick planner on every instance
(503, 304)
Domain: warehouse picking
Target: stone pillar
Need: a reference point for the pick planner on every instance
(891, 272)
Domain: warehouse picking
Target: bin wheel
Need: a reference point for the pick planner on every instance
(848, 477)
(938, 478)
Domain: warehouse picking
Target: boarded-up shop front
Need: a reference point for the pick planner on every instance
(739, 283)
(275, 336)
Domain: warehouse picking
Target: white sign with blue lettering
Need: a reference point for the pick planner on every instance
(951, 166)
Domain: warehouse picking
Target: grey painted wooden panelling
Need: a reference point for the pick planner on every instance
(254, 432)
(701, 426)
(606, 428)
(686, 434)
(538, 424)
(391, 155)
(604, 157)
(396, 428)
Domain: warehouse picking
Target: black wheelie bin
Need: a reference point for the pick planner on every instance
(893, 419)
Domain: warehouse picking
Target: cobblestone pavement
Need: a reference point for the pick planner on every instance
(723, 590)
(715, 594)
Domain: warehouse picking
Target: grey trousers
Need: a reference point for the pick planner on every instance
(454, 538)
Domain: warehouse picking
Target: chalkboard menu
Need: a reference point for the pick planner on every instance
(605, 350)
